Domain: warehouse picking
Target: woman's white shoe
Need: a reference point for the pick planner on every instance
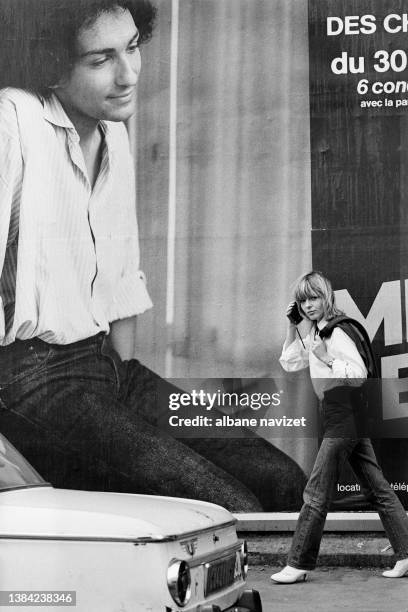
(400, 569)
(289, 575)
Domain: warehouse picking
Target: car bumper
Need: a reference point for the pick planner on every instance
(250, 601)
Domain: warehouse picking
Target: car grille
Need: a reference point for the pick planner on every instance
(221, 573)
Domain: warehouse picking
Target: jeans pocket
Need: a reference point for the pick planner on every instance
(22, 359)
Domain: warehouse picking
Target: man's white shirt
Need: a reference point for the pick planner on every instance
(76, 268)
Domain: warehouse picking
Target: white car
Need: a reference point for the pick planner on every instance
(114, 552)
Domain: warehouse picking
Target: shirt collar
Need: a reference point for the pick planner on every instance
(54, 113)
(322, 323)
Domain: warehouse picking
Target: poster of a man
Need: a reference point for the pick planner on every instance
(71, 283)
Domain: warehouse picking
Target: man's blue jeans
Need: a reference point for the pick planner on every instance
(87, 420)
(333, 453)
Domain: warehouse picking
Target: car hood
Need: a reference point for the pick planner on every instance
(63, 513)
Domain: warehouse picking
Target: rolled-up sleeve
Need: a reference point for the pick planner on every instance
(295, 357)
(131, 297)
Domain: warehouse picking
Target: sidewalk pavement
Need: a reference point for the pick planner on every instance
(331, 590)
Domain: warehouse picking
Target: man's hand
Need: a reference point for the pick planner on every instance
(122, 336)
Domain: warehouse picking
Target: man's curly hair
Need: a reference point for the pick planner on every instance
(38, 37)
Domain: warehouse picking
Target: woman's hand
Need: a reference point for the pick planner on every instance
(288, 312)
(319, 349)
(293, 314)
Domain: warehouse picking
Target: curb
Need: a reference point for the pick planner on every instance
(337, 550)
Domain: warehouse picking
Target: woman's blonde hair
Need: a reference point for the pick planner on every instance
(315, 284)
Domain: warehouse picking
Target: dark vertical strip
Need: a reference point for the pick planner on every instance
(358, 185)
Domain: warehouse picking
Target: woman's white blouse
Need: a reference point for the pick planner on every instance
(348, 366)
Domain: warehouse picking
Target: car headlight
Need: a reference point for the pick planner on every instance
(179, 581)
(244, 559)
